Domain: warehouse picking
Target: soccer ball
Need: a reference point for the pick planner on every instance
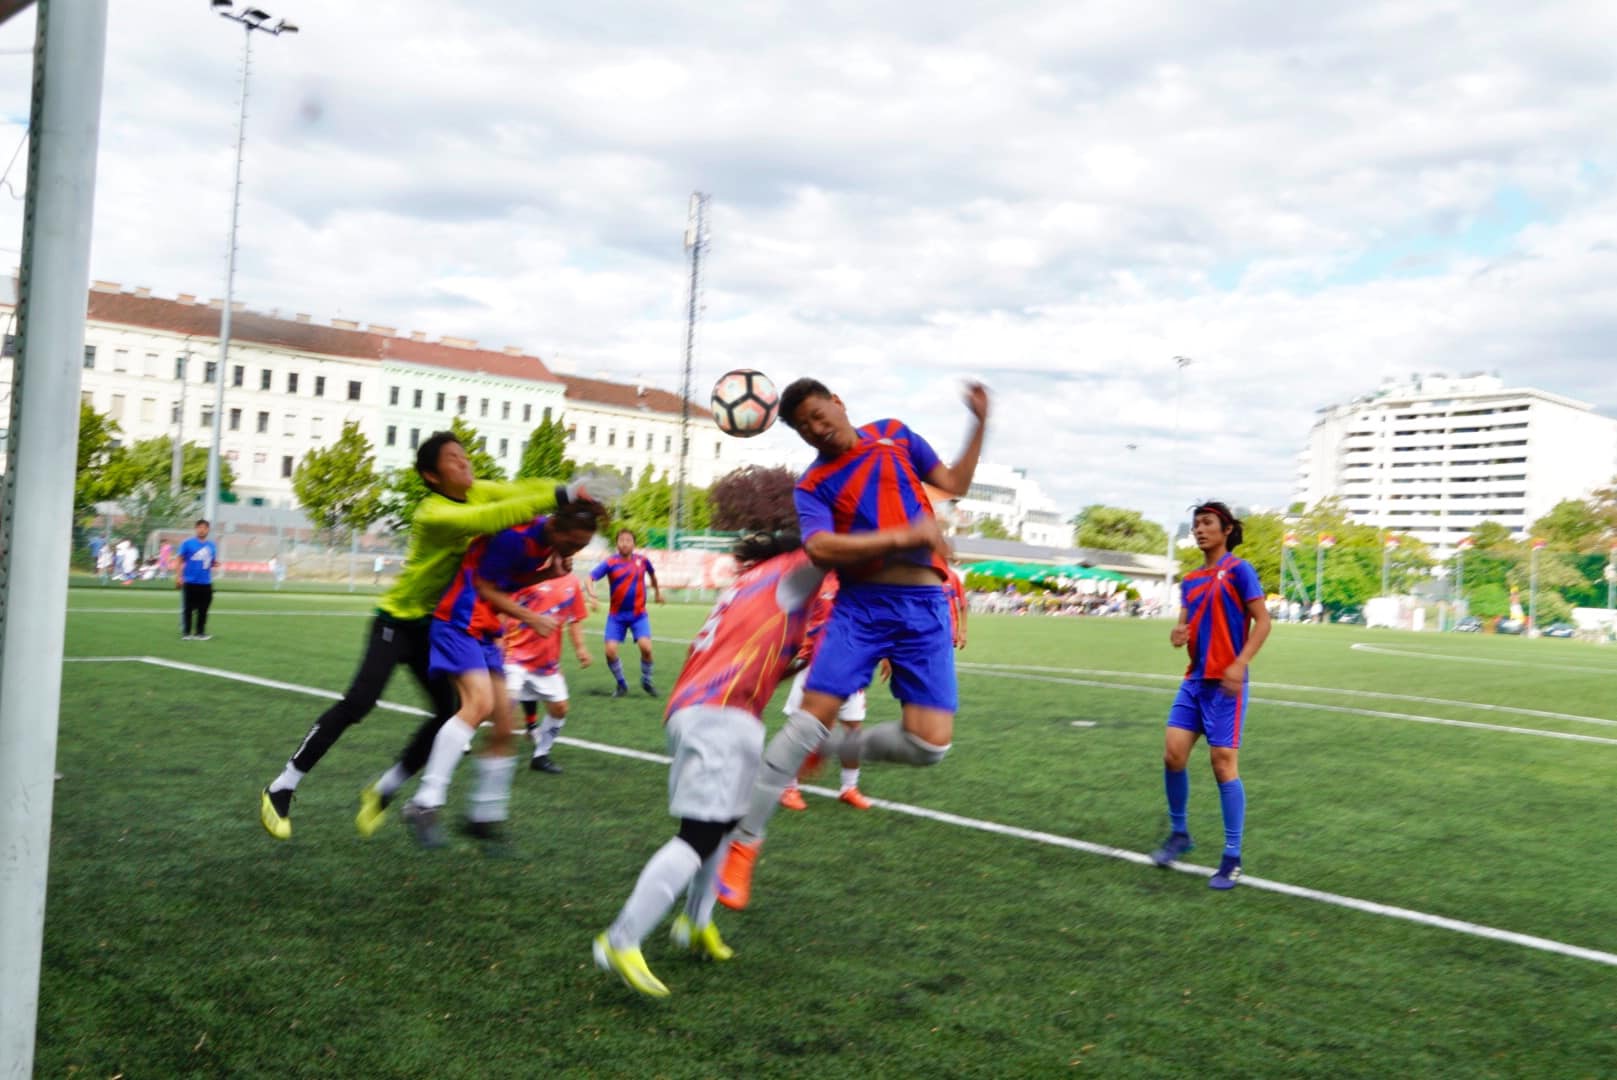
(744, 403)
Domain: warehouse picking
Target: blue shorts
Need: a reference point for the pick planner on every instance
(910, 625)
(619, 627)
(452, 651)
(1204, 707)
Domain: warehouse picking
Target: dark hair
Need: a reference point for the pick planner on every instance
(797, 393)
(620, 533)
(202, 521)
(755, 547)
(426, 456)
(576, 516)
(1225, 517)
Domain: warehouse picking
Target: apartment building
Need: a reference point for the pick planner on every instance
(1010, 497)
(1434, 456)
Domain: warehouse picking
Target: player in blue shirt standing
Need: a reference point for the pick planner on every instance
(1224, 621)
(626, 574)
(863, 510)
(197, 558)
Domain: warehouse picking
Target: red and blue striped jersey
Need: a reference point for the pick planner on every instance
(1215, 599)
(503, 560)
(743, 650)
(875, 485)
(626, 575)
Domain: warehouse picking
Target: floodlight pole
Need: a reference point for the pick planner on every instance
(696, 244)
(35, 544)
(252, 19)
(1180, 364)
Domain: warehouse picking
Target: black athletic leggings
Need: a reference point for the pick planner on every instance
(196, 600)
(391, 643)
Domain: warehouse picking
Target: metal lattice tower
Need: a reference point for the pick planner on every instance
(696, 241)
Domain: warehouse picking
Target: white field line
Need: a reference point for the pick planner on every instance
(1459, 926)
(213, 612)
(1419, 655)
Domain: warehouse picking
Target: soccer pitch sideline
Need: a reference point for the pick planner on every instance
(1428, 893)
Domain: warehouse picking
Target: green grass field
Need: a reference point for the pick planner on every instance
(181, 941)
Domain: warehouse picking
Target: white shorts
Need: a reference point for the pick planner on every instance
(524, 685)
(852, 711)
(716, 754)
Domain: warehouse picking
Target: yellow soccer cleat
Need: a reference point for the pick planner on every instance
(705, 943)
(372, 809)
(630, 966)
(277, 820)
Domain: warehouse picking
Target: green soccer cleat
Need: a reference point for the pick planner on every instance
(705, 944)
(630, 966)
(275, 813)
(372, 809)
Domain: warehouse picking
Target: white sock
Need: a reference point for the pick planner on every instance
(850, 778)
(392, 780)
(491, 798)
(782, 758)
(665, 877)
(288, 780)
(703, 892)
(447, 747)
(545, 737)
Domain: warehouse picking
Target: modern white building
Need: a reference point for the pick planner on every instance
(1009, 496)
(1436, 455)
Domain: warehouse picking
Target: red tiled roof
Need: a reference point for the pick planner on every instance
(624, 395)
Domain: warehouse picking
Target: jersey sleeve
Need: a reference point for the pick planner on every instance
(578, 611)
(813, 511)
(1246, 582)
(922, 456)
(445, 520)
(599, 572)
(649, 570)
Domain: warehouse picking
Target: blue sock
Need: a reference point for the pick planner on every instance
(1232, 797)
(1178, 786)
(615, 666)
(645, 670)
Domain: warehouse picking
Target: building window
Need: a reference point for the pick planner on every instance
(88, 397)
(264, 379)
(120, 360)
(291, 382)
(288, 422)
(319, 386)
(482, 408)
(286, 466)
(592, 434)
(263, 423)
(440, 403)
(238, 374)
(392, 435)
(527, 413)
(89, 357)
(415, 437)
(630, 442)
(154, 364)
(417, 399)
(179, 367)
(505, 447)
(611, 437)
(207, 418)
(148, 410)
(572, 432)
(547, 414)
(460, 405)
(235, 419)
(482, 443)
(174, 413)
(210, 371)
(315, 424)
(117, 410)
(505, 410)
(392, 395)
(717, 447)
(668, 444)
(353, 389)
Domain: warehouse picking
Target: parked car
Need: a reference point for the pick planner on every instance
(1560, 629)
(1351, 616)
(1509, 626)
(1469, 625)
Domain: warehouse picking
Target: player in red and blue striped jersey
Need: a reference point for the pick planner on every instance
(626, 574)
(863, 510)
(1224, 621)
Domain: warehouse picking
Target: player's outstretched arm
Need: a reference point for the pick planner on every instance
(849, 549)
(956, 478)
(502, 602)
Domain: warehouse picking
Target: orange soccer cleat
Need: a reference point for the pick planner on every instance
(792, 798)
(854, 798)
(735, 879)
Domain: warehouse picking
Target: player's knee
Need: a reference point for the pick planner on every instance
(922, 752)
(558, 710)
(704, 837)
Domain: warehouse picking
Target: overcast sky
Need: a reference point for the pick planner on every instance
(1056, 198)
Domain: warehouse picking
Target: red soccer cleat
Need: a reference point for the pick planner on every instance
(735, 878)
(854, 798)
(792, 799)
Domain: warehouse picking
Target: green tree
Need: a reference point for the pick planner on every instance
(149, 463)
(98, 438)
(991, 528)
(403, 490)
(1572, 525)
(545, 454)
(338, 485)
(1113, 528)
(1488, 601)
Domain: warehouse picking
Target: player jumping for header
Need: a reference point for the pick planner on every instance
(626, 574)
(1224, 620)
(863, 511)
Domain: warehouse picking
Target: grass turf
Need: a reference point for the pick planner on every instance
(180, 940)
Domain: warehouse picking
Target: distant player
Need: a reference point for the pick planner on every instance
(457, 509)
(863, 511)
(465, 648)
(1224, 621)
(194, 576)
(715, 735)
(533, 660)
(851, 715)
(627, 574)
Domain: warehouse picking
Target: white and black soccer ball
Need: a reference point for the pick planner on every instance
(745, 403)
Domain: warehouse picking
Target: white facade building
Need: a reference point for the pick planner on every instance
(1435, 456)
(1008, 496)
